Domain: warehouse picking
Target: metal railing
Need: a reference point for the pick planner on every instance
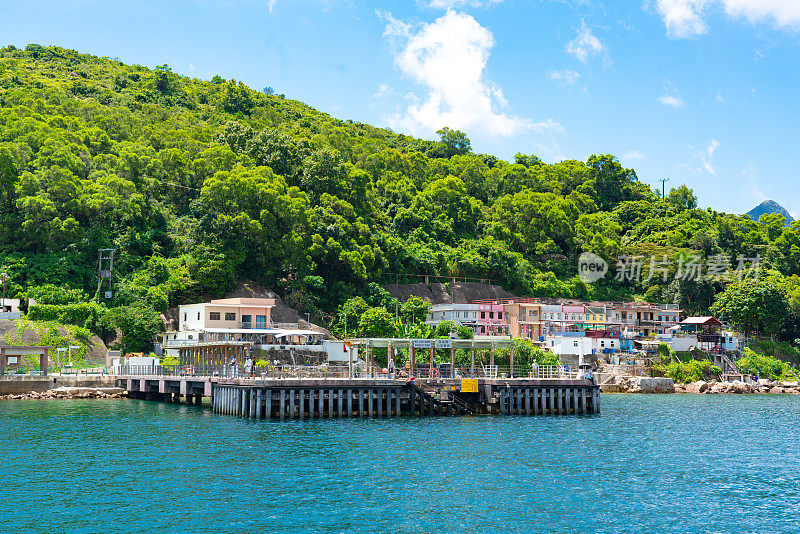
(337, 371)
(239, 371)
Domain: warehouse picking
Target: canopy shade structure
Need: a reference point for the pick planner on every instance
(482, 342)
(285, 333)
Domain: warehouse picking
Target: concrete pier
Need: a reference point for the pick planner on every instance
(342, 397)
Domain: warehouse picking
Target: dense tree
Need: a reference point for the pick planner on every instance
(199, 185)
(753, 306)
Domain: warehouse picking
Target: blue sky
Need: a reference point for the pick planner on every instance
(703, 92)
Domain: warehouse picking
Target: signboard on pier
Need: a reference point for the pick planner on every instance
(423, 343)
(469, 385)
(443, 343)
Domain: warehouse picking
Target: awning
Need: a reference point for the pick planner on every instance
(285, 333)
(242, 330)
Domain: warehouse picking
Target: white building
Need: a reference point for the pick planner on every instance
(569, 345)
(460, 314)
(235, 319)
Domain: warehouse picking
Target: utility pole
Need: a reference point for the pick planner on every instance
(105, 270)
(663, 189)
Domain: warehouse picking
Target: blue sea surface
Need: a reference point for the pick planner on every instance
(660, 464)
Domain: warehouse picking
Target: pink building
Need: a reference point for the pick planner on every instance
(492, 320)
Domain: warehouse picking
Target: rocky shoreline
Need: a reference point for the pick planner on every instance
(629, 384)
(737, 387)
(66, 393)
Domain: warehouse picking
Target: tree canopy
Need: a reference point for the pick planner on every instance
(199, 185)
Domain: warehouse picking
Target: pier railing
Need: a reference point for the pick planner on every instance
(328, 371)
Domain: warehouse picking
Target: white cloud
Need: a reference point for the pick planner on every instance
(548, 125)
(684, 18)
(564, 77)
(271, 5)
(448, 57)
(672, 101)
(383, 90)
(633, 155)
(671, 96)
(707, 156)
(585, 45)
(447, 4)
(782, 12)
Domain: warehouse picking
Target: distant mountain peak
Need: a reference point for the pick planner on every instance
(769, 206)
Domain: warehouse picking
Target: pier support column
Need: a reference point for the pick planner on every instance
(583, 400)
(258, 404)
(560, 401)
(330, 404)
(412, 400)
(349, 404)
(472, 361)
(502, 401)
(341, 401)
(397, 401)
(311, 394)
(597, 400)
(292, 413)
(370, 401)
(283, 403)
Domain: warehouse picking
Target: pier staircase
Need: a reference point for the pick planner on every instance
(429, 398)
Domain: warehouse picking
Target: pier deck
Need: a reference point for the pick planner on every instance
(290, 398)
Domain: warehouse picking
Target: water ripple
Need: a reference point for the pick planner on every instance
(667, 464)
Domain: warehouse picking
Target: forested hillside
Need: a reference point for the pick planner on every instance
(200, 184)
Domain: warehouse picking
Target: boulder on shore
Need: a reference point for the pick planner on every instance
(701, 386)
(653, 385)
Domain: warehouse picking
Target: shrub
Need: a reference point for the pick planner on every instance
(691, 371)
(765, 366)
(86, 314)
(53, 294)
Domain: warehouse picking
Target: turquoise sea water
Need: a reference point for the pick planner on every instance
(673, 463)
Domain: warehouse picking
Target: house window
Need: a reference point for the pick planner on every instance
(491, 315)
(483, 315)
(230, 316)
(184, 316)
(246, 321)
(499, 315)
(198, 316)
(261, 321)
(574, 343)
(214, 316)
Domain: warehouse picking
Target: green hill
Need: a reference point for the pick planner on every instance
(767, 207)
(201, 184)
